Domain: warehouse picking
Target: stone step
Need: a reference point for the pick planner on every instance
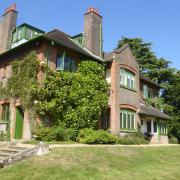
(17, 148)
(10, 151)
(5, 154)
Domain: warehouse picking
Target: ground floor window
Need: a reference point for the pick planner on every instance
(5, 112)
(127, 119)
(162, 128)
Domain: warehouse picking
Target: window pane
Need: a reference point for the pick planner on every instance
(128, 121)
(132, 122)
(145, 91)
(121, 120)
(155, 126)
(5, 112)
(128, 82)
(132, 84)
(124, 120)
(60, 62)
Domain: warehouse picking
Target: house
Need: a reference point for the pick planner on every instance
(128, 88)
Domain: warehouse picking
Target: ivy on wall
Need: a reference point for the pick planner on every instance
(24, 75)
(72, 100)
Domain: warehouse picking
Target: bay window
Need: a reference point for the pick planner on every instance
(127, 78)
(127, 120)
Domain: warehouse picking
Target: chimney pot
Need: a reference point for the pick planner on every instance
(10, 8)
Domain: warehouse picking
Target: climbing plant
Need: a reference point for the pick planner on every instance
(24, 75)
(72, 100)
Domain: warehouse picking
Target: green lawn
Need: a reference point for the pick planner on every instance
(99, 163)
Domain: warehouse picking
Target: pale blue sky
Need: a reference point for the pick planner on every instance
(156, 21)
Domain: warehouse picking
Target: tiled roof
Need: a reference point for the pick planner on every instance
(60, 38)
(149, 81)
(151, 111)
(65, 40)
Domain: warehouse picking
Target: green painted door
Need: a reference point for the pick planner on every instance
(19, 123)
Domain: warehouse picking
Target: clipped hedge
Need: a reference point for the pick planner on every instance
(89, 136)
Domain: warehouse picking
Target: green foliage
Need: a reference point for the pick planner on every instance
(89, 136)
(45, 134)
(56, 133)
(156, 69)
(72, 100)
(4, 136)
(173, 139)
(24, 75)
(133, 138)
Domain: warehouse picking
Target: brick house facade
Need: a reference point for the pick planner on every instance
(127, 110)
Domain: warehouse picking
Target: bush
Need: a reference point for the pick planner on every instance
(173, 139)
(59, 134)
(133, 138)
(71, 134)
(56, 133)
(89, 136)
(45, 134)
(5, 136)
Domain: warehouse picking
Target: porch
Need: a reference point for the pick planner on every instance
(155, 129)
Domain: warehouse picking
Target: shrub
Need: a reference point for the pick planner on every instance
(4, 136)
(45, 134)
(133, 138)
(89, 136)
(71, 134)
(173, 139)
(59, 134)
(56, 133)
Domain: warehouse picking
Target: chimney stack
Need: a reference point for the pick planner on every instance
(93, 31)
(7, 24)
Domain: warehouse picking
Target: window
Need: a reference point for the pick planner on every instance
(65, 63)
(147, 92)
(60, 62)
(127, 79)
(29, 34)
(163, 128)
(108, 75)
(127, 120)
(155, 126)
(5, 112)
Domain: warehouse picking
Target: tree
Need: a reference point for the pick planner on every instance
(159, 70)
(72, 99)
(150, 66)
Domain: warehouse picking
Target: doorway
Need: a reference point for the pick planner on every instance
(19, 123)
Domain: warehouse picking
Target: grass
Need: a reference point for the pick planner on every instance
(99, 163)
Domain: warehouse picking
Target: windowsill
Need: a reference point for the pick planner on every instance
(3, 122)
(125, 87)
(128, 130)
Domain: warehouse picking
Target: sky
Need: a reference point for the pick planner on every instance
(155, 21)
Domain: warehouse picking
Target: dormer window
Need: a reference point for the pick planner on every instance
(127, 79)
(23, 33)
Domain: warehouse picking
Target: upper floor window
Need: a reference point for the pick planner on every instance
(147, 92)
(108, 75)
(65, 63)
(127, 78)
(127, 119)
